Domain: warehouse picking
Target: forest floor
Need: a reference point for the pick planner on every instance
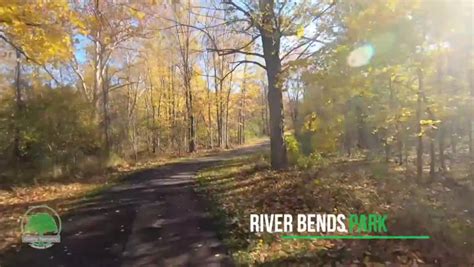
(145, 215)
(441, 209)
(155, 214)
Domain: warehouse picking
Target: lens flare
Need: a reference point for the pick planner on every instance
(361, 56)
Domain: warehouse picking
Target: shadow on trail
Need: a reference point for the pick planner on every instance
(151, 218)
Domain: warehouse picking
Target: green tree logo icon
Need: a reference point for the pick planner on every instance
(40, 227)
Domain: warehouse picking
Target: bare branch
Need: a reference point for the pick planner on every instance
(250, 61)
(229, 51)
(313, 20)
(221, 51)
(50, 74)
(241, 9)
(75, 68)
(309, 42)
(333, 3)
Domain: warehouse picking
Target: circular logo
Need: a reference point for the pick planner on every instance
(40, 227)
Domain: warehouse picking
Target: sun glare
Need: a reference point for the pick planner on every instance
(361, 56)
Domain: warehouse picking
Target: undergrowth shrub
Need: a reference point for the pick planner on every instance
(299, 159)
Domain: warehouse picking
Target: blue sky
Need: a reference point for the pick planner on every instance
(81, 42)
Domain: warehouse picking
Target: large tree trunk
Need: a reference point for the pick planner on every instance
(271, 50)
(105, 110)
(277, 142)
(264, 112)
(100, 93)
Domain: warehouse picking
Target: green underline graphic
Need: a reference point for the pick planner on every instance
(356, 237)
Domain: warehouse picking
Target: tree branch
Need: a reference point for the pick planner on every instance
(313, 20)
(229, 51)
(50, 74)
(21, 51)
(118, 86)
(250, 61)
(246, 12)
(333, 3)
(309, 41)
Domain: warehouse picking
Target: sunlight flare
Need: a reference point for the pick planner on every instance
(361, 56)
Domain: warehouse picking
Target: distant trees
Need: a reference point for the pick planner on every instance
(391, 83)
(385, 77)
(98, 83)
(273, 23)
(185, 42)
(38, 39)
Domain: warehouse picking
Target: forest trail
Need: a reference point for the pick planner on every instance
(151, 218)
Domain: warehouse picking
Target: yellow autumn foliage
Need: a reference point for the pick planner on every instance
(39, 28)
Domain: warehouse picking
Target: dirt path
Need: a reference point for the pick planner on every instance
(152, 218)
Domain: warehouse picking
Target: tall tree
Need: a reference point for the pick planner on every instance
(273, 23)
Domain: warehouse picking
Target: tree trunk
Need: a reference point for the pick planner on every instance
(105, 111)
(275, 101)
(241, 128)
(190, 114)
(453, 136)
(443, 126)
(218, 89)
(471, 118)
(97, 70)
(174, 135)
(17, 116)
(432, 135)
(153, 118)
(264, 104)
(400, 143)
(209, 116)
(441, 136)
(271, 51)
(219, 114)
(184, 43)
(227, 104)
(419, 147)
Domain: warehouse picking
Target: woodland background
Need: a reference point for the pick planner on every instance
(369, 106)
(101, 82)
